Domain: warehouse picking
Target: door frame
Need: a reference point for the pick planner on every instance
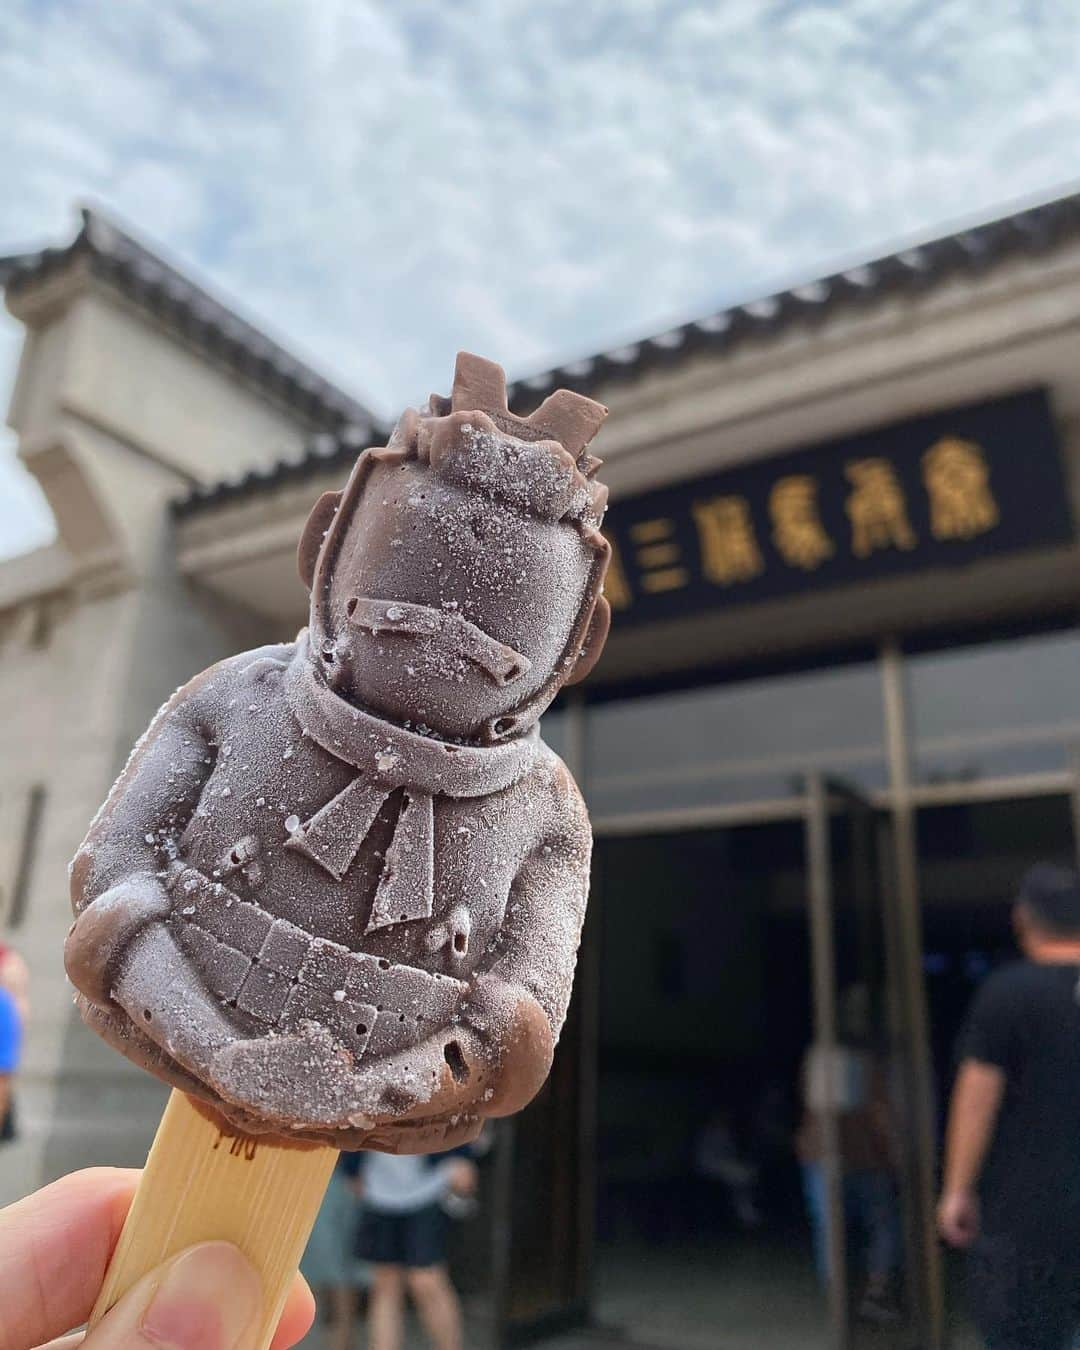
(822, 799)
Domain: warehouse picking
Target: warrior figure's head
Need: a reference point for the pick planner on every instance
(456, 582)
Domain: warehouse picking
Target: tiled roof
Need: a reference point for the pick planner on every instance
(919, 268)
(912, 269)
(324, 452)
(154, 285)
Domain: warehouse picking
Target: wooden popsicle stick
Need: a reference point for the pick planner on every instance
(203, 1182)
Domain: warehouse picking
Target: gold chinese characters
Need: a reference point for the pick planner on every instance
(797, 515)
(798, 533)
(729, 549)
(957, 480)
(657, 557)
(876, 508)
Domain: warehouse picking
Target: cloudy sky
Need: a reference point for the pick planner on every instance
(381, 183)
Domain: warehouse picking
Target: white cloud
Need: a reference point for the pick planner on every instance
(536, 178)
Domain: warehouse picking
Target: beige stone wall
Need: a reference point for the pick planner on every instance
(146, 387)
(58, 723)
(38, 388)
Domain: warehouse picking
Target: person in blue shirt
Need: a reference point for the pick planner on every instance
(404, 1237)
(10, 1047)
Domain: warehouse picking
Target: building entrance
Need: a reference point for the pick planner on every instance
(744, 1005)
(705, 1014)
(680, 1179)
(789, 868)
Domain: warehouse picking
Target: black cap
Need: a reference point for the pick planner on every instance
(1052, 894)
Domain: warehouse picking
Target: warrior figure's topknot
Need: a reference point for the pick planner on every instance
(537, 464)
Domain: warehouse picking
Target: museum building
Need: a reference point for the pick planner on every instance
(838, 714)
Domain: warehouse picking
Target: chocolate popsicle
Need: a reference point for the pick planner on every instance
(338, 889)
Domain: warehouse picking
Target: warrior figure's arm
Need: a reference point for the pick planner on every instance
(117, 875)
(116, 886)
(531, 973)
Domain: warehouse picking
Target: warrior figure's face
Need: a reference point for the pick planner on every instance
(456, 581)
(447, 607)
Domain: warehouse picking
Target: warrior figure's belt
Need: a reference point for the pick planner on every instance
(282, 977)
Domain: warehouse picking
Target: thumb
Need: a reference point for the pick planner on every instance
(207, 1298)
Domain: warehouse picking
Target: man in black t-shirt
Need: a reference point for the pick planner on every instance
(1012, 1155)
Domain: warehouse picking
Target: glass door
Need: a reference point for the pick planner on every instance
(857, 1177)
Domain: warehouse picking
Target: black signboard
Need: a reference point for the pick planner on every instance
(938, 491)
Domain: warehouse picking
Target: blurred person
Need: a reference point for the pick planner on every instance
(15, 985)
(329, 1264)
(15, 978)
(404, 1237)
(10, 1053)
(852, 1081)
(55, 1247)
(719, 1160)
(464, 1203)
(1011, 1186)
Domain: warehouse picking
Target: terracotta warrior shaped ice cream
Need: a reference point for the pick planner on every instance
(338, 889)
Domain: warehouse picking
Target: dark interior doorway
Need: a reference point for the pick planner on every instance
(691, 1021)
(704, 1017)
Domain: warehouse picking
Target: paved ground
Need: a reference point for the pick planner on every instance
(683, 1298)
(739, 1297)
(743, 1296)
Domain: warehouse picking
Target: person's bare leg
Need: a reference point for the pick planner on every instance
(438, 1305)
(342, 1316)
(385, 1306)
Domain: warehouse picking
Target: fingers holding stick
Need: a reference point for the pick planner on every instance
(55, 1248)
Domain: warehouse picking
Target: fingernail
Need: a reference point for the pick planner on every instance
(208, 1299)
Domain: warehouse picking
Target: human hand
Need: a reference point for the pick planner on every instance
(958, 1217)
(461, 1174)
(54, 1250)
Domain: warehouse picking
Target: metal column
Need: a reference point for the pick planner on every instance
(823, 963)
(916, 1032)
